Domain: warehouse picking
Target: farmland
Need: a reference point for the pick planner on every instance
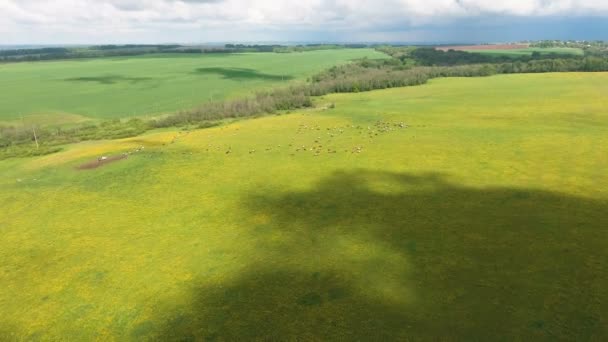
(512, 50)
(471, 208)
(530, 51)
(73, 91)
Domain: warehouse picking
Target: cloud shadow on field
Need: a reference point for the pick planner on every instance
(8, 334)
(241, 74)
(110, 79)
(276, 306)
(371, 255)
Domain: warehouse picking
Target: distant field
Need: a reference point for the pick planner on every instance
(465, 209)
(510, 49)
(482, 47)
(529, 51)
(132, 86)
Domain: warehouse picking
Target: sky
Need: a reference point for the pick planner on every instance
(206, 21)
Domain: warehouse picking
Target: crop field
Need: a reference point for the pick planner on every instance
(514, 50)
(77, 90)
(468, 209)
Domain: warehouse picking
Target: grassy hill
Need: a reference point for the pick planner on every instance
(70, 91)
(465, 208)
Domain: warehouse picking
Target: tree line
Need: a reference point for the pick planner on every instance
(59, 53)
(434, 57)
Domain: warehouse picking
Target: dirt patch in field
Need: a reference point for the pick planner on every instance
(483, 47)
(97, 163)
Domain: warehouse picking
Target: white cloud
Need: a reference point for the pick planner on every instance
(244, 19)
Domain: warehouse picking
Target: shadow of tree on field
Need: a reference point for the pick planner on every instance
(242, 74)
(384, 256)
(282, 305)
(110, 79)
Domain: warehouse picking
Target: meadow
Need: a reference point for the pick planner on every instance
(466, 209)
(106, 88)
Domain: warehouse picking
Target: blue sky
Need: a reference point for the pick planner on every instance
(198, 21)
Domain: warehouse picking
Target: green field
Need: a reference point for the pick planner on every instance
(69, 91)
(485, 218)
(529, 51)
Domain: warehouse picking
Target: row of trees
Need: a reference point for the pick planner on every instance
(431, 56)
(19, 140)
(580, 44)
(45, 54)
(261, 103)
